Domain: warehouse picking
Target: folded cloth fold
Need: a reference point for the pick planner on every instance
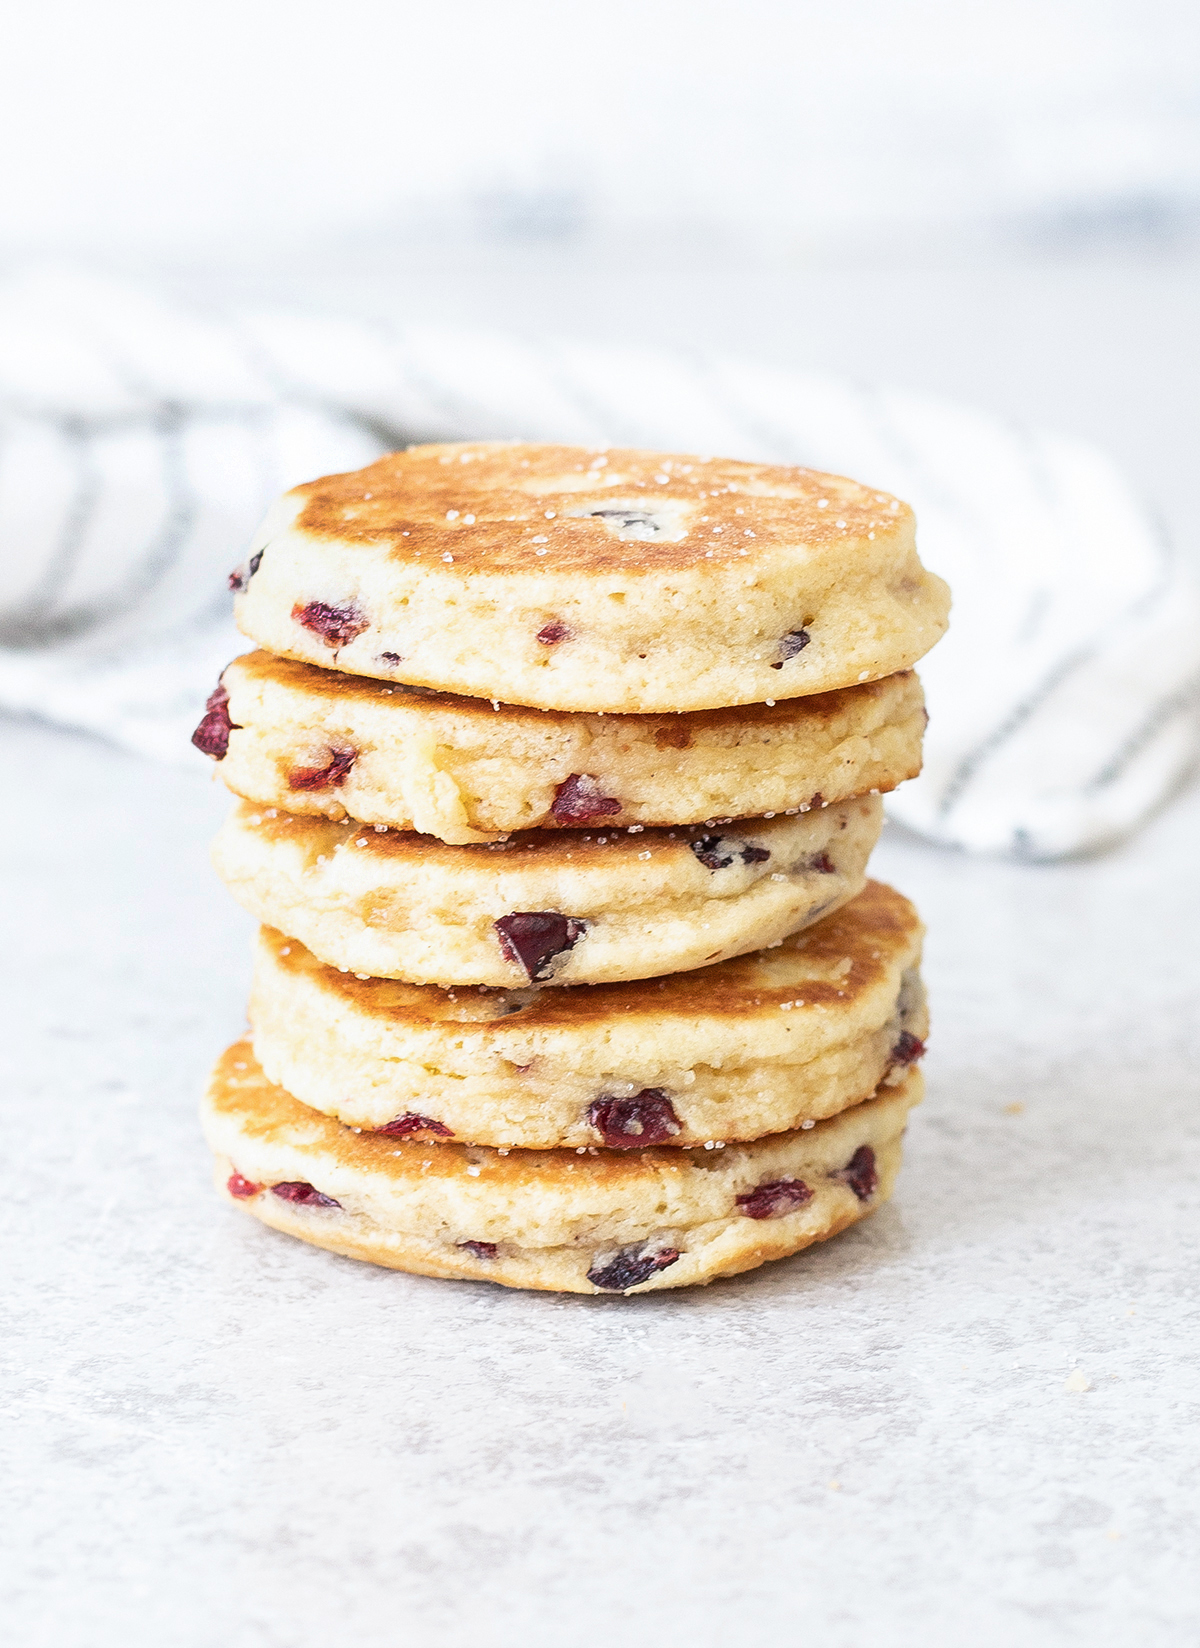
(142, 439)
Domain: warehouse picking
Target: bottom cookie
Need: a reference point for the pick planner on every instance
(571, 1221)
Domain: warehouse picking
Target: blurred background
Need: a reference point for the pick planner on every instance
(865, 185)
(241, 130)
(997, 201)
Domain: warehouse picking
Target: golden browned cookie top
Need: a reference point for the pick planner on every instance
(500, 507)
(831, 965)
(675, 731)
(581, 1221)
(618, 581)
(267, 1115)
(581, 907)
(762, 1044)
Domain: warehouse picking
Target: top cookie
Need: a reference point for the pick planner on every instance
(567, 578)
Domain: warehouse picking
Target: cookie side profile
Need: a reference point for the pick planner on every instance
(574, 579)
(760, 1044)
(591, 1222)
(569, 906)
(323, 743)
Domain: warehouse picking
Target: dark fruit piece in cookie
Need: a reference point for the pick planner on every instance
(239, 580)
(859, 1172)
(717, 852)
(243, 1189)
(579, 800)
(552, 633)
(821, 862)
(405, 1126)
(535, 938)
(295, 1190)
(628, 1124)
(791, 645)
(908, 1048)
(337, 626)
(212, 735)
(335, 771)
(631, 1266)
(773, 1200)
(481, 1250)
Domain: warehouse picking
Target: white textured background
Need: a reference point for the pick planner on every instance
(219, 1437)
(239, 123)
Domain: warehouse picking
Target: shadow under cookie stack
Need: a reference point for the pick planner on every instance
(559, 772)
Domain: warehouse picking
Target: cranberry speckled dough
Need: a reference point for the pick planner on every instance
(601, 580)
(760, 1044)
(315, 741)
(607, 1221)
(568, 906)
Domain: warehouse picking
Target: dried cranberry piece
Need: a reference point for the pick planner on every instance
(552, 633)
(631, 1266)
(628, 1124)
(337, 626)
(328, 777)
(908, 1049)
(243, 1189)
(533, 938)
(405, 1126)
(212, 735)
(717, 852)
(791, 645)
(578, 800)
(295, 1190)
(773, 1200)
(859, 1172)
(481, 1250)
(239, 580)
(822, 863)
(390, 658)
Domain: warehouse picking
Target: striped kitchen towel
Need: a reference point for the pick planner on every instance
(141, 440)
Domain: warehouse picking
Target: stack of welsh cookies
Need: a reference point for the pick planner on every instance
(560, 770)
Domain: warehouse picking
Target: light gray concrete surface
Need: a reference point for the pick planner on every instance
(973, 1418)
(219, 1436)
